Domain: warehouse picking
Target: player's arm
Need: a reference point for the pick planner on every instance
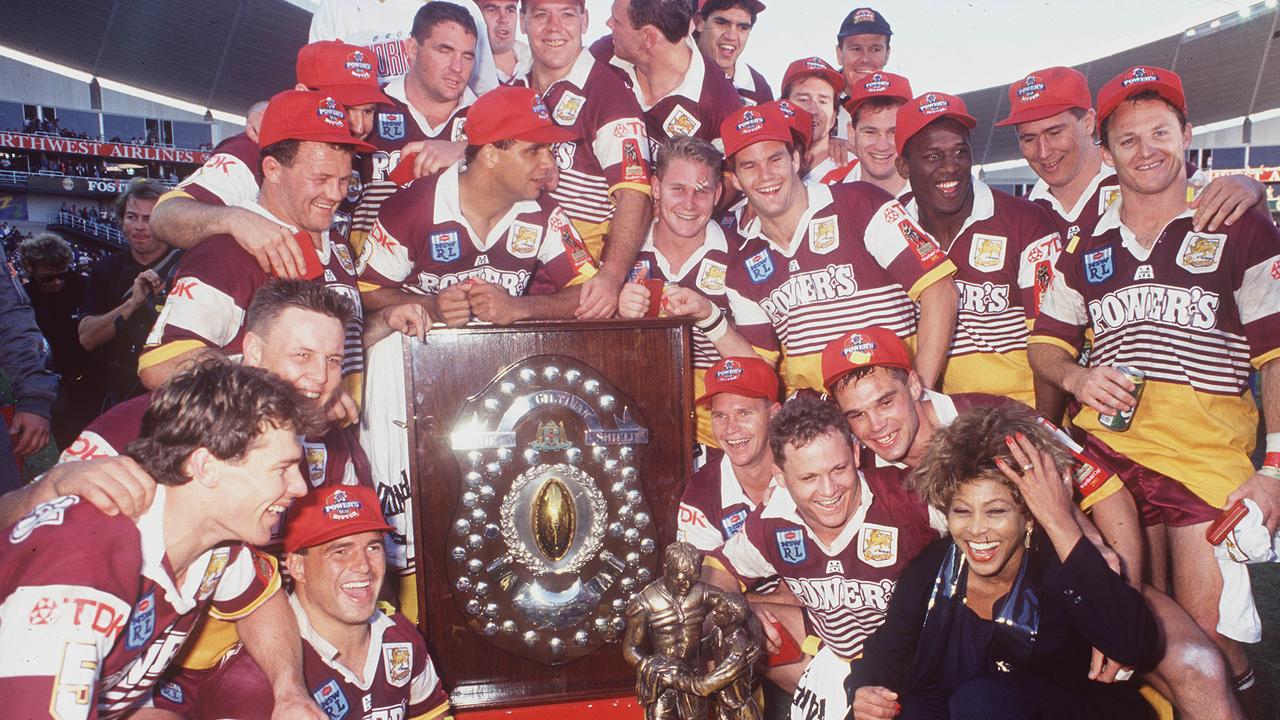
(112, 484)
(158, 373)
(183, 222)
(270, 634)
(1226, 199)
(937, 323)
(492, 303)
(709, 318)
(1263, 487)
(631, 214)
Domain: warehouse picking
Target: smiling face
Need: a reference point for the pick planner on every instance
(500, 18)
(1146, 146)
(440, 65)
(768, 172)
(1057, 147)
(304, 349)
(740, 426)
(555, 32)
(306, 193)
(937, 161)
(873, 143)
(861, 55)
(723, 35)
(254, 491)
(822, 478)
(338, 581)
(686, 195)
(883, 411)
(818, 97)
(990, 526)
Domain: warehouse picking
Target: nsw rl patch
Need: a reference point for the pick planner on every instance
(446, 246)
(791, 545)
(1098, 266)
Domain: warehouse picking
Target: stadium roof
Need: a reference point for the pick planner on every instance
(219, 54)
(1227, 67)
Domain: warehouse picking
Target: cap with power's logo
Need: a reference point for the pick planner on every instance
(329, 513)
(307, 115)
(1045, 93)
(347, 72)
(915, 115)
(745, 376)
(877, 85)
(867, 347)
(812, 67)
(749, 125)
(800, 119)
(1140, 78)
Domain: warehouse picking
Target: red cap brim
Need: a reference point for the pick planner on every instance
(351, 95)
(333, 532)
(1032, 114)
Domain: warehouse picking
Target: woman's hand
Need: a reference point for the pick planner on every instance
(875, 702)
(1045, 489)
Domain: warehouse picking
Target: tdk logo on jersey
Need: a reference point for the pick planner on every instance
(734, 521)
(1098, 266)
(760, 266)
(391, 125)
(331, 700)
(446, 246)
(142, 623)
(791, 545)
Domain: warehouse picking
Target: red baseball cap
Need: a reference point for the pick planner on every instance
(745, 376)
(512, 113)
(919, 112)
(749, 125)
(877, 85)
(756, 6)
(1165, 83)
(307, 115)
(329, 513)
(347, 72)
(812, 67)
(800, 119)
(867, 347)
(1045, 93)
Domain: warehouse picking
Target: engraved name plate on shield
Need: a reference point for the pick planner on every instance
(552, 534)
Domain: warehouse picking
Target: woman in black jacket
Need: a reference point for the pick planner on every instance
(999, 620)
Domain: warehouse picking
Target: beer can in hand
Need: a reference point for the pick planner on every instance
(1122, 420)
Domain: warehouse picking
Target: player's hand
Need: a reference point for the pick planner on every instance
(839, 149)
(599, 297)
(1102, 388)
(769, 623)
(409, 318)
(114, 485)
(297, 706)
(492, 303)
(1265, 491)
(146, 283)
(1225, 200)
(432, 156)
(1104, 670)
(873, 702)
(633, 300)
(683, 302)
(341, 408)
(28, 433)
(269, 242)
(453, 305)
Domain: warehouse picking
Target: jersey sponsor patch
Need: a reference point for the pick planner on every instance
(567, 108)
(213, 571)
(344, 257)
(317, 456)
(1043, 276)
(987, 252)
(1098, 266)
(397, 660)
(1144, 272)
(331, 700)
(824, 235)
(634, 167)
(835, 566)
(711, 277)
(878, 545)
(680, 122)
(142, 622)
(1106, 198)
(1201, 252)
(391, 125)
(791, 545)
(574, 247)
(446, 246)
(734, 521)
(760, 266)
(925, 249)
(640, 270)
(46, 513)
(523, 239)
(172, 692)
(793, 265)
(459, 131)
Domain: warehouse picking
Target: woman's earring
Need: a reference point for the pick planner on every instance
(1027, 541)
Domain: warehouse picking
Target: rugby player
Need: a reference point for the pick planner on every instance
(721, 29)
(810, 83)
(500, 19)
(872, 107)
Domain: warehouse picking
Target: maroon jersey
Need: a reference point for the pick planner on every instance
(394, 127)
(1004, 257)
(91, 613)
(612, 149)
(714, 507)
(752, 86)
(845, 588)
(212, 289)
(400, 679)
(231, 176)
(858, 259)
(696, 107)
(422, 242)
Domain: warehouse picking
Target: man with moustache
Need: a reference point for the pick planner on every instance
(721, 29)
(1194, 311)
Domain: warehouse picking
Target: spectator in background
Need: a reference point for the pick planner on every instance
(56, 293)
(125, 292)
(26, 429)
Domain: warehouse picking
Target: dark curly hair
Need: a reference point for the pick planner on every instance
(801, 421)
(217, 405)
(967, 449)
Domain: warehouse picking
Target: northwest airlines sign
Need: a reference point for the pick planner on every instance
(77, 146)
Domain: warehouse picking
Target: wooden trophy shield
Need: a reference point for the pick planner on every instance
(547, 462)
